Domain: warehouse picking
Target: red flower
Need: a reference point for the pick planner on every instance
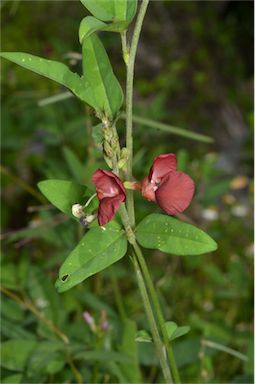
(110, 193)
(171, 189)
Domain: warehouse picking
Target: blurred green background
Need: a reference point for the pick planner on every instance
(194, 70)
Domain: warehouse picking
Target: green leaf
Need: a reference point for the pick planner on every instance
(98, 72)
(125, 9)
(171, 327)
(75, 165)
(128, 346)
(173, 331)
(112, 10)
(180, 331)
(170, 129)
(91, 24)
(102, 355)
(14, 353)
(170, 235)
(63, 194)
(88, 26)
(97, 134)
(97, 250)
(53, 70)
(42, 355)
(17, 378)
(143, 336)
(102, 9)
(13, 331)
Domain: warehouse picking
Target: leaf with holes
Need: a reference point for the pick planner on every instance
(56, 71)
(97, 250)
(170, 235)
(98, 72)
(63, 194)
(109, 10)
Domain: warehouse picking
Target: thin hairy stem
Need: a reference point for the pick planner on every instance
(152, 292)
(130, 62)
(128, 216)
(157, 308)
(153, 325)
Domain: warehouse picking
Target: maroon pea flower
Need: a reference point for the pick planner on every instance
(110, 192)
(170, 189)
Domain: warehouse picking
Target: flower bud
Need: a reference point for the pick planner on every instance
(108, 149)
(108, 161)
(105, 121)
(124, 155)
(90, 321)
(77, 211)
(86, 220)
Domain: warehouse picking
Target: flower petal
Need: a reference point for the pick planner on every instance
(148, 189)
(175, 192)
(108, 207)
(162, 165)
(107, 184)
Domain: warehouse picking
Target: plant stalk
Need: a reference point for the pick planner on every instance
(153, 325)
(157, 308)
(128, 216)
(152, 292)
(130, 62)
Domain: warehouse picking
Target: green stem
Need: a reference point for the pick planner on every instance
(129, 100)
(128, 217)
(152, 292)
(158, 311)
(117, 294)
(153, 325)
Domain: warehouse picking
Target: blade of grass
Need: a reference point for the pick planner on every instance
(54, 99)
(223, 348)
(170, 129)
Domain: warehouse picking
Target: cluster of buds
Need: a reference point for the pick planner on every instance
(99, 328)
(111, 146)
(113, 155)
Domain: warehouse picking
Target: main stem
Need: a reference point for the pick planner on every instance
(157, 308)
(130, 63)
(152, 293)
(128, 217)
(153, 325)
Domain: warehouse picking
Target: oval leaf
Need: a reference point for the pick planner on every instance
(54, 70)
(171, 327)
(14, 353)
(97, 250)
(88, 26)
(102, 9)
(91, 24)
(125, 9)
(63, 194)
(173, 331)
(180, 331)
(112, 10)
(98, 72)
(170, 235)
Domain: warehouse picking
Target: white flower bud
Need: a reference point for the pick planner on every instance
(77, 210)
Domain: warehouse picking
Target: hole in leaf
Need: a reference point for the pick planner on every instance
(64, 278)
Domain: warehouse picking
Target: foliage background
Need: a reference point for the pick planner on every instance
(194, 70)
